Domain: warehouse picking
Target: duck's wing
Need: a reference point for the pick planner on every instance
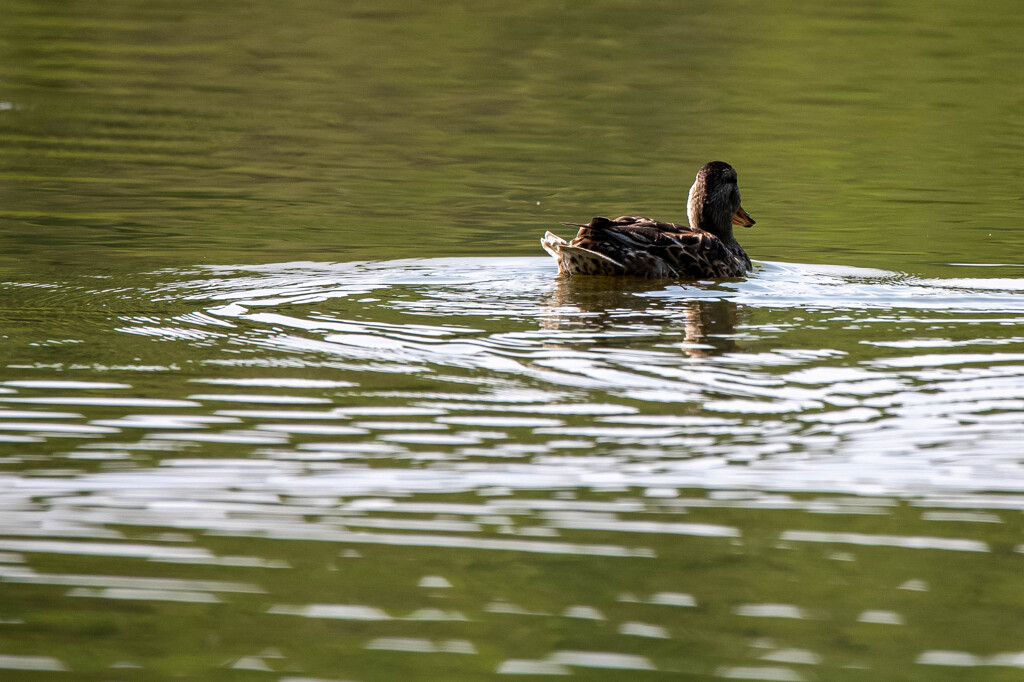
(643, 247)
(651, 248)
(644, 229)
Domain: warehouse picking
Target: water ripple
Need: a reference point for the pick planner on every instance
(473, 414)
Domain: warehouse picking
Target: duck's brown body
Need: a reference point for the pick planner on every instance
(641, 247)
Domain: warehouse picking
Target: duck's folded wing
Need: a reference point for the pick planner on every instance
(640, 221)
(685, 252)
(644, 233)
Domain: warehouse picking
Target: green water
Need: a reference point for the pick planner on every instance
(288, 390)
(156, 133)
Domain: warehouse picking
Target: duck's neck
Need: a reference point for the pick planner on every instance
(709, 215)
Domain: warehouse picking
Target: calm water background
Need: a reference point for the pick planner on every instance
(288, 391)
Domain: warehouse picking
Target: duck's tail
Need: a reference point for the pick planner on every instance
(552, 243)
(575, 260)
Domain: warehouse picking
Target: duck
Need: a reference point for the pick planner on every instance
(635, 246)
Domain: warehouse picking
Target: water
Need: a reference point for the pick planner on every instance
(288, 390)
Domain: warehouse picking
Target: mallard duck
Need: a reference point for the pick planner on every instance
(641, 247)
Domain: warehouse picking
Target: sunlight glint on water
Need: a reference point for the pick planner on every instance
(547, 420)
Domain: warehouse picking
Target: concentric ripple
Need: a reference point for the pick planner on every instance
(646, 470)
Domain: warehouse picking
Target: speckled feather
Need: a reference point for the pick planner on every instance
(641, 247)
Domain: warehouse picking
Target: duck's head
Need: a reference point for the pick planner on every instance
(714, 202)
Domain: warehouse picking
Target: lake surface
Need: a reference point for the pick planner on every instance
(289, 392)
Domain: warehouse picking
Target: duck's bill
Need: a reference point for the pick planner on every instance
(742, 218)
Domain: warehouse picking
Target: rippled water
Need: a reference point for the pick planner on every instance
(289, 392)
(447, 468)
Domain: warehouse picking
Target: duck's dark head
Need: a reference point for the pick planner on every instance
(714, 202)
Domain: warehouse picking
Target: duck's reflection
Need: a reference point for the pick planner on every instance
(710, 326)
(607, 304)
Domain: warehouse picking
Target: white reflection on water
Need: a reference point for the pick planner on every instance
(54, 384)
(276, 382)
(771, 611)
(520, 666)
(145, 595)
(965, 659)
(577, 521)
(583, 612)
(881, 618)
(602, 659)
(102, 402)
(643, 630)
(581, 423)
(334, 611)
(422, 646)
(755, 673)
(152, 552)
(28, 576)
(955, 544)
(12, 662)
